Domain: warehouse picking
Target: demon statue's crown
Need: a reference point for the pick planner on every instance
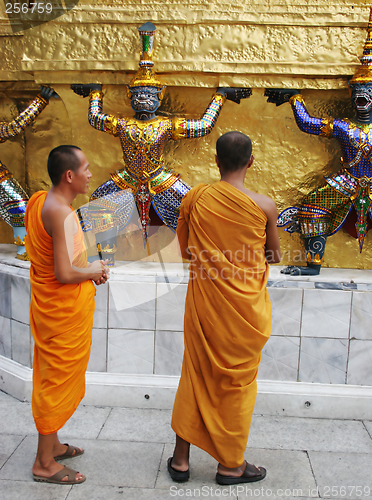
(364, 73)
(145, 76)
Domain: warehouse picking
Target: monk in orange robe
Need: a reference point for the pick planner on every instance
(229, 235)
(62, 307)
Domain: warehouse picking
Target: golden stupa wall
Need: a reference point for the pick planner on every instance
(199, 45)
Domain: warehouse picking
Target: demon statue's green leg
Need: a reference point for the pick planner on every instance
(314, 248)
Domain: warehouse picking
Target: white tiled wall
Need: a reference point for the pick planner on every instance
(360, 362)
(5, 338)
(280, 359)
(130, 351)
(286, 306)
(168, 352)
(101, 309)
(20, 299)
(21, 343)
(98, 352)
(323, 360)
(5, 295)
(132, 305)
(318, 335)
(326, 314)
(361, 316)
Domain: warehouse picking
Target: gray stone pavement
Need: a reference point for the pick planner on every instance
(126, 451)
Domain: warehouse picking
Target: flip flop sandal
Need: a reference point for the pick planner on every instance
(177, 475)
(57, 478)
(69, 453)
(250, 475)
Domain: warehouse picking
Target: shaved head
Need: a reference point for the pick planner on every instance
(61, 159)
(234, 151)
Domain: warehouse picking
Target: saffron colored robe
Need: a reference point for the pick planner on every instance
(61, 318)
(227, 319)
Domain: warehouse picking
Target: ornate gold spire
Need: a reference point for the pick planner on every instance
(145, 76)
(364, 73)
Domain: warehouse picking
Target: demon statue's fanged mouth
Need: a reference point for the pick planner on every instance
(362, 98)
(145, 102)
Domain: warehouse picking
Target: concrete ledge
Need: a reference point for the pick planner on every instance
(301, 399)
(297, 399)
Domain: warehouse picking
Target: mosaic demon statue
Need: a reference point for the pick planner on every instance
(143, 182)
(346, 198)
(13, 199)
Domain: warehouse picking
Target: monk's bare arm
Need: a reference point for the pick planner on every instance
(61, 226)
(272, 247)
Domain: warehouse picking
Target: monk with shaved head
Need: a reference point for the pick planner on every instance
(62, 307)
(229, 235)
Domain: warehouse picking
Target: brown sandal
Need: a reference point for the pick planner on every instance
(57, 478)
(69, 453)
(251, 474)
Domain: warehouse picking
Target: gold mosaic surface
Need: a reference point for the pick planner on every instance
(198, 46)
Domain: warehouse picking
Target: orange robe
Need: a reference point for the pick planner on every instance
(227, 319)
(61, 318)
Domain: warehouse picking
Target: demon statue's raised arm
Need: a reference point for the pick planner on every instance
(347, 195)
(142, 139)
(13, 199)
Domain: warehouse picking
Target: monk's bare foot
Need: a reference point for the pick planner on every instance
(236, 472)
(48, 470)
(181, 466)
(181, 454)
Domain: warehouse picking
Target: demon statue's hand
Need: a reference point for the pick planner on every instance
(280, 96)
(86, 88)
(234, 94)
(47, 92)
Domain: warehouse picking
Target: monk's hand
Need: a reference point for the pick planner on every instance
(280, 96)
(106, 270)
(47, 92)
(105, 273)
(97, 269)
(84, 89)
(235, 94)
